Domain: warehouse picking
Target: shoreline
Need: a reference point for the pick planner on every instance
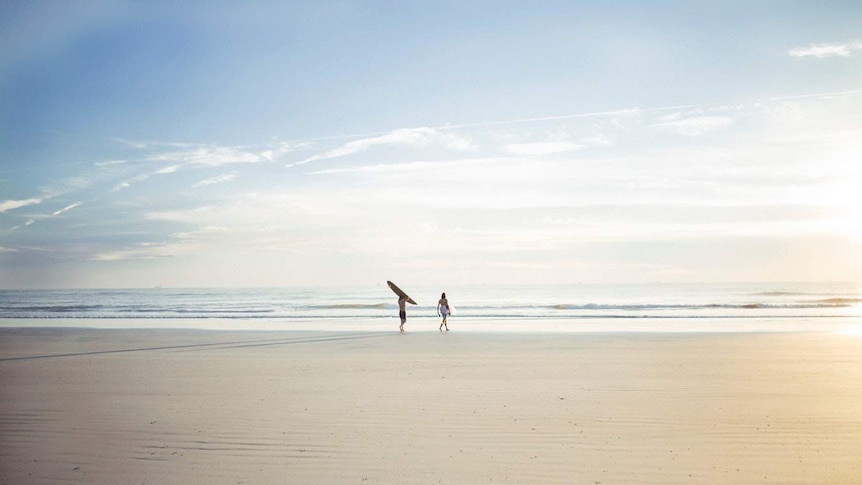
(562, 325)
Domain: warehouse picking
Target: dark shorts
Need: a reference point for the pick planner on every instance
(403, 316)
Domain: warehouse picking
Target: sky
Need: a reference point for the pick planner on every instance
(252, 144)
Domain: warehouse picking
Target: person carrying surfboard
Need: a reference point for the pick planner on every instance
(403, 300)
(443, 310)
(402, 311)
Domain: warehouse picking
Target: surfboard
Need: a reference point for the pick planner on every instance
(399, 292)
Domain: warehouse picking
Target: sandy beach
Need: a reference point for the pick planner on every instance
(180, 406)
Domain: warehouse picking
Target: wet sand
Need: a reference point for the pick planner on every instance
(177, 406)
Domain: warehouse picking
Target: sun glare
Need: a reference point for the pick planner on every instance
(846, 197)
(854, 330)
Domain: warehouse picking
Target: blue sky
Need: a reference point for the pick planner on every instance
(330, 143)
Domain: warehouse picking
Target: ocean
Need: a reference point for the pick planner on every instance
(594, 307)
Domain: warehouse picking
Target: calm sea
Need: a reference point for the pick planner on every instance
(573, 307)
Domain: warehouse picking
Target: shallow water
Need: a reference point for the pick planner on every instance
(653, 307)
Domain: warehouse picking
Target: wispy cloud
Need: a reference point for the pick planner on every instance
(128, 183)
(219, 179)
(8, 205)
(695, 126)
(542, 148)
(29, 222)
(65, 209)
(200, 157)
(272, 154)
(108, 163)
(197, 156)
(451, 136)
(826, 50)
(417, 137)
(208, 156)
(167, 170)
(38, 218)
(415, 169)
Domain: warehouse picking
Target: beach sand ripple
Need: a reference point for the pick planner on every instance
(86, 406)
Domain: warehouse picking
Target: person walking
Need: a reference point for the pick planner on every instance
(402, 311)
(443, 310)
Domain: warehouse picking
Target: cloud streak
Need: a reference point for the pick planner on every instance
(826, 50)
(208, 156)
(66, 209)
(33, 220)
(128, 183)
(8, 205)
(220, 179)
(29, 222)
(200, 157)
(542, 148)
(696, 126)
(416, 137)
